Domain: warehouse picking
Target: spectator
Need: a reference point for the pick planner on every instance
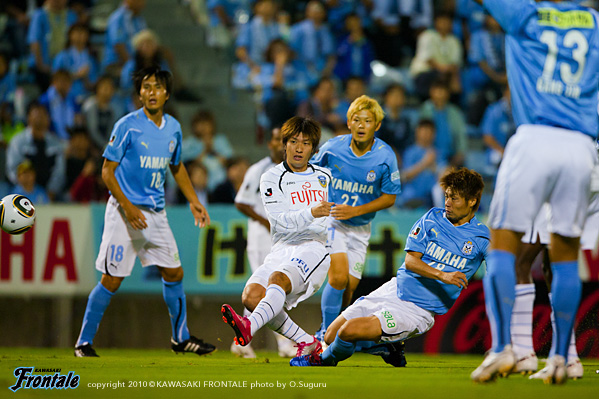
(388, 41)
(252, 42)
(353, 88)
(321, 105)
(225, 15)
(283, 81)
(123, 24)
(486, 70)
(355, 52)
(16, 27)
(497, 127)
(396, 129)
(471, 18)
(79, 150)
(450, 125)
(42, 148)
(147, 52)
(8, 81)
(77, 59)
(225, 192)
(207, 146)
(89, 185)
(438, 56)
(419, 173)
(313, 42)
(101, 111)
(58, 99)
(338, 10)
(47, 36)
(27, 186)
(198, 175)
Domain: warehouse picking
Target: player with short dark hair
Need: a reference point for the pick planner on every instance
(444, 249)
(141, 147)
(295, 196)
(552, 53)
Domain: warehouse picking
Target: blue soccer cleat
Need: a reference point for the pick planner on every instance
(306, 361)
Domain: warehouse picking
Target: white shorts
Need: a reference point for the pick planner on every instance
(544, 164)
(306, 265)
(121, 243)
(538, 228)
(590, 233)
(399, 319)
(350, 240)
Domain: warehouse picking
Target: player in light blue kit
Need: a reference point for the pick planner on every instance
(365, 180)
(552, 58)
(142, 145)
(443, 251)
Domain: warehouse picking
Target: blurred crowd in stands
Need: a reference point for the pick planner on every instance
(436, 66)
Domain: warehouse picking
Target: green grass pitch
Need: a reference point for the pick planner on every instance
(362, 376)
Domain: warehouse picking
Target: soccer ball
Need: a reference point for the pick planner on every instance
(17, 214)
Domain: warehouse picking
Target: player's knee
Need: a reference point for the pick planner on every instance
(281, 280)
(338, 280)
(171, 274)
(251, 296)
(350, 331)
(111, 283)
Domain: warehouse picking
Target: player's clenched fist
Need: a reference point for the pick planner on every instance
(323, 209)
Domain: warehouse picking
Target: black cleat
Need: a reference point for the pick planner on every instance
(85, 350)
(192, 345)
(396, 356)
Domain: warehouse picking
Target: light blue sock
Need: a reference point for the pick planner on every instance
(177, 309)
(500, 292)
(566, 290)
(97, 303)
(339, 350)
(330, 305)
(364, 346)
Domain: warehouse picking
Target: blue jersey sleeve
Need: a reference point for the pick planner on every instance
(391, 183)
(417, 239)
(509, 13)
(176, 159)
(119, 141)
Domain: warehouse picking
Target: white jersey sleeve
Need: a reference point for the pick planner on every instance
(249, 193)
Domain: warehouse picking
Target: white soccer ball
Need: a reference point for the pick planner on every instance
(17, 214)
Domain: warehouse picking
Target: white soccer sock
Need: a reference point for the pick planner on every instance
(521, 326)
(270, 306)
(283, 324)
(572, 351)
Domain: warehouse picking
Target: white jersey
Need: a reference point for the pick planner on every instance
(288, 198)
(258, 236)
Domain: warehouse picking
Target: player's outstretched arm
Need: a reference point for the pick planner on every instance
(414, 263)
(345, 212)
(200, 214)
(135, 217)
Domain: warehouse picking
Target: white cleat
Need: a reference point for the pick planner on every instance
(574, 369)
(245, 352)
(495, 364)
(527, 365)
(286, 346)
(554, 372)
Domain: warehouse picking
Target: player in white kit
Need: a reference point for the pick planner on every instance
(249, 202)
(294, 194)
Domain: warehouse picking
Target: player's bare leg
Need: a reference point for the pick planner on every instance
(349, 291)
